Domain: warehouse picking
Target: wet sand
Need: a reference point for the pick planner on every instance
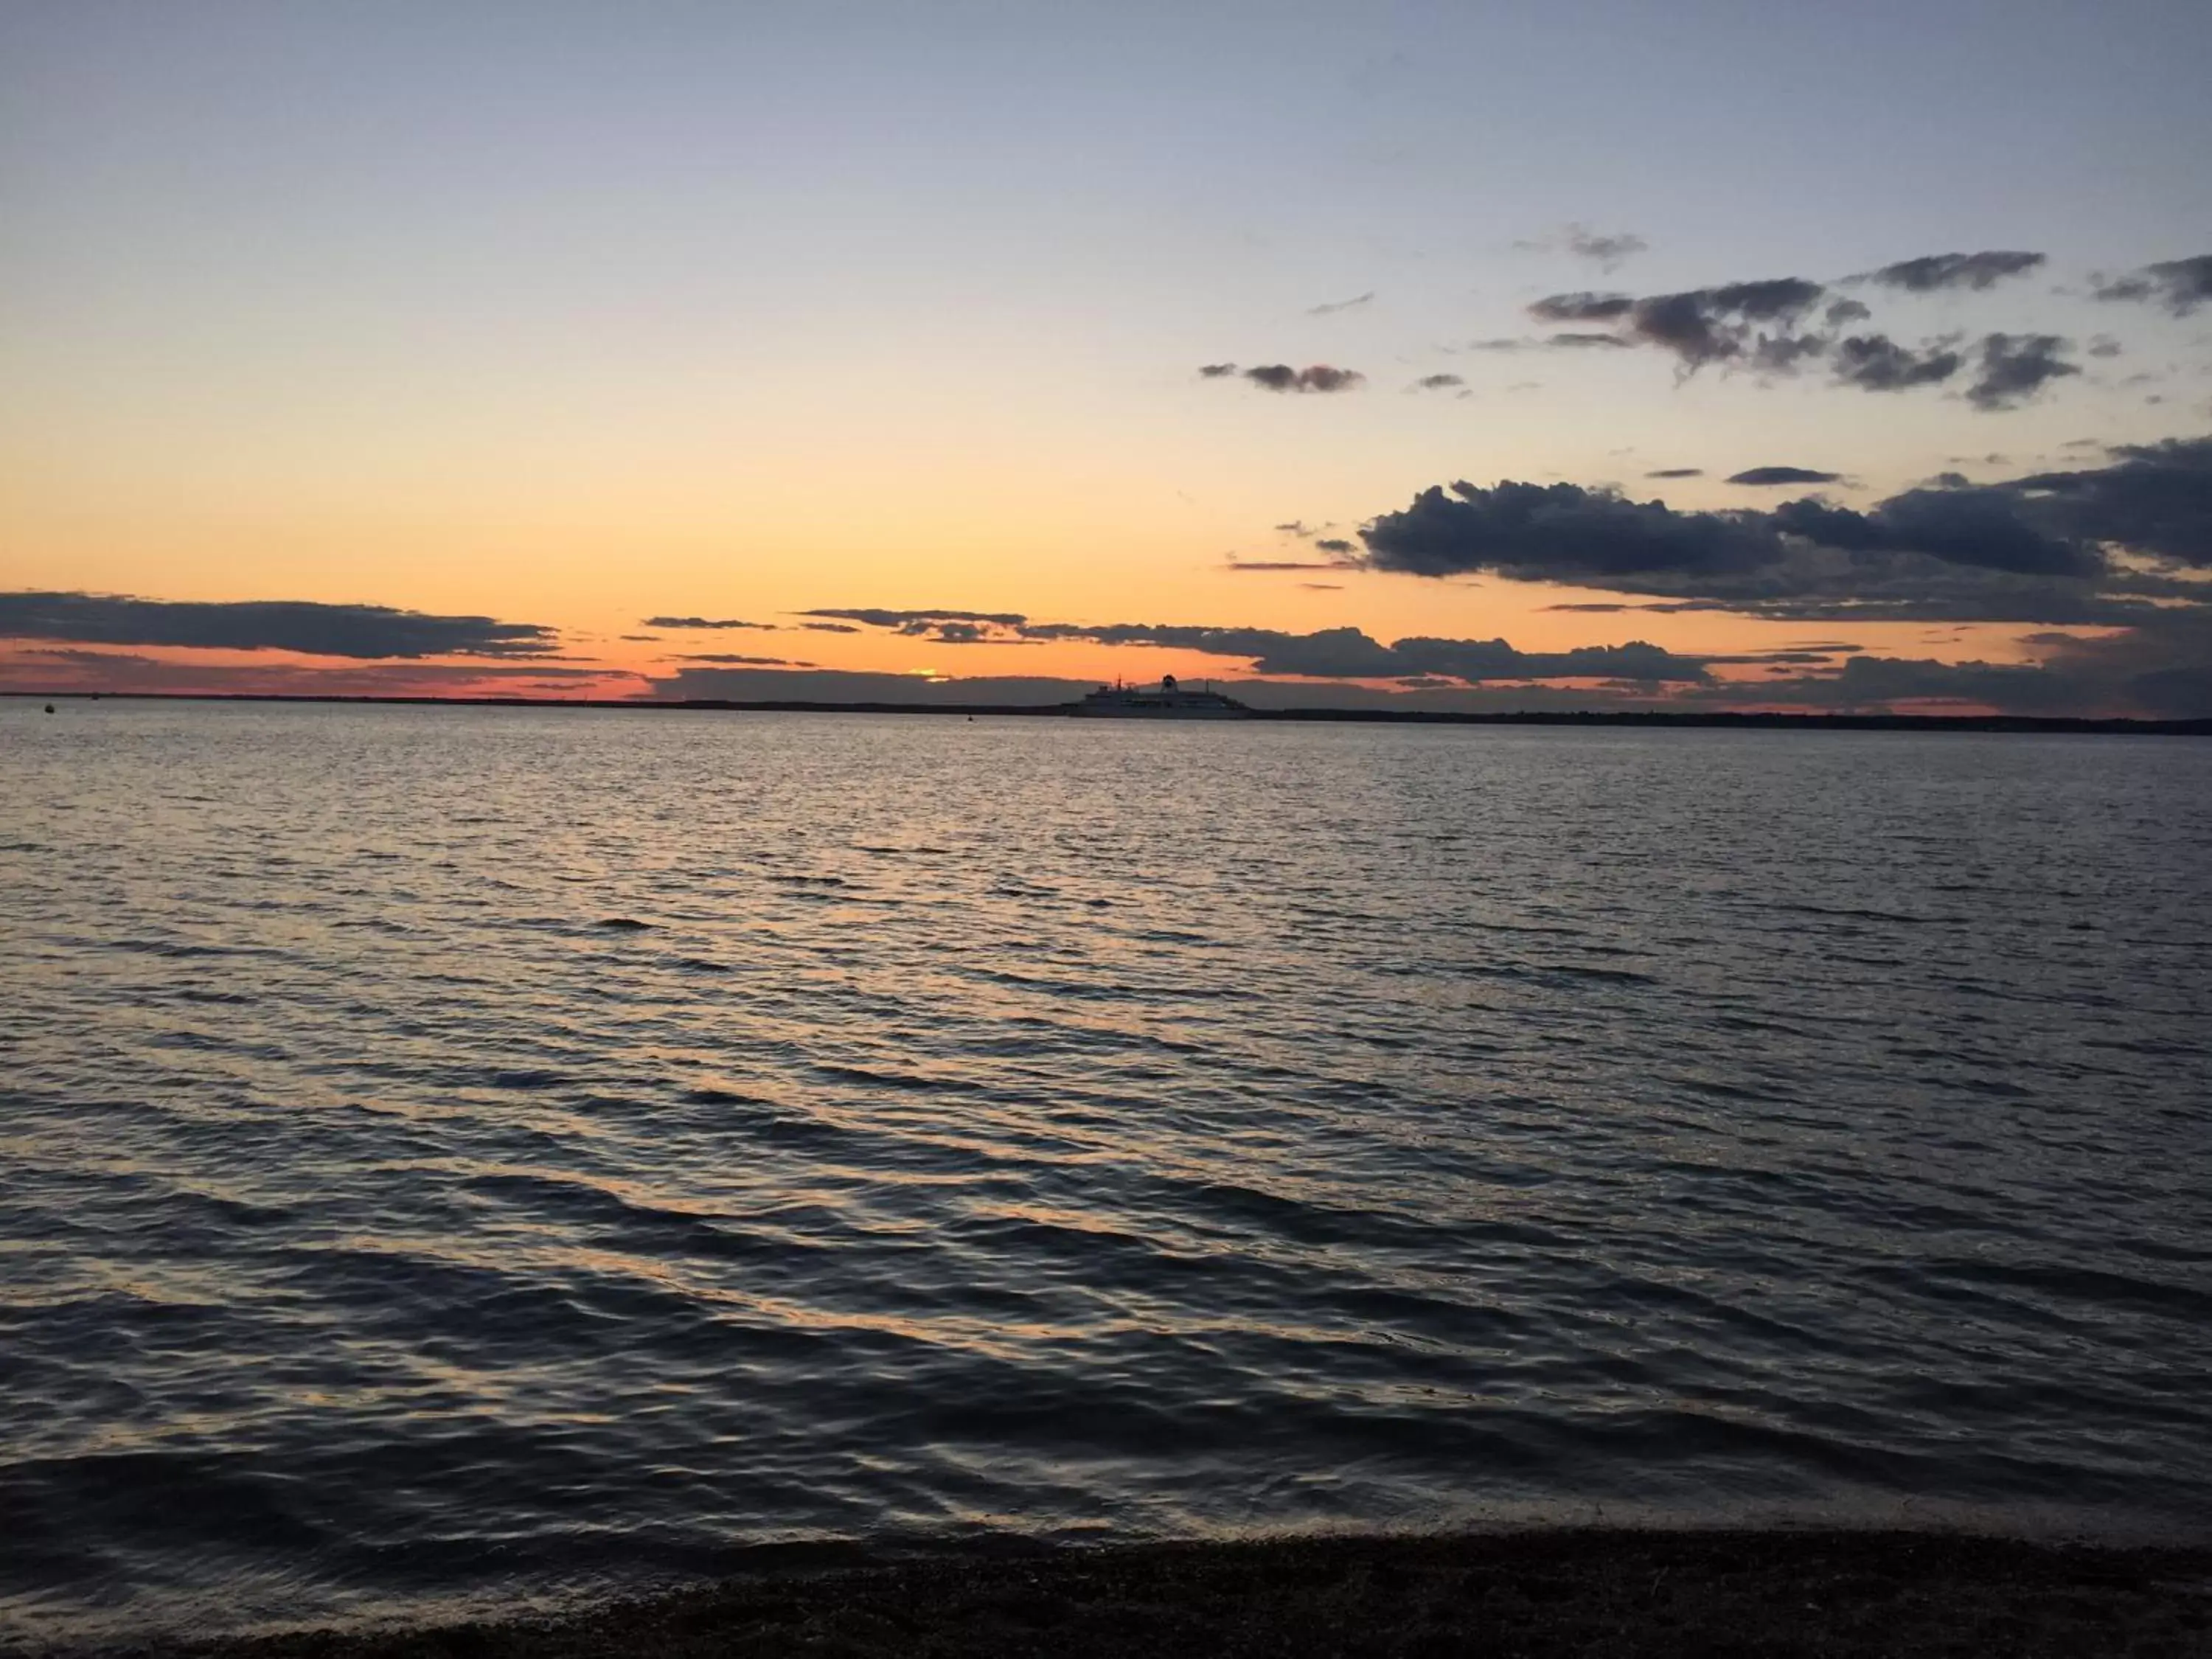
(1606, 1594)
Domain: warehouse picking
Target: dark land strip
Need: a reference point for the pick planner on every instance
(1655, 720)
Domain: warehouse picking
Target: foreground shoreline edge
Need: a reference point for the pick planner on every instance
(1584, 1591)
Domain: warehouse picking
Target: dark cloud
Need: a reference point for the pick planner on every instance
(1437, 382)
(2159, 668)
(78, 655)
(1526, 530)
(849, 685)
(1582, 341)
(1768, 328)
(878, 619)
(1982, 528)
(1315, 376)
(1677, 472)
(1335, 305)
(1329, 654)
(1781, 474)
(1333, 545)
(2162, 666)
(1875, 362)
(2015, 367)
(360, 631)
(1933, 593)
(1288, 564)
(1750, 324)
(124, 672)
(1582, 306)
(1349, 653)
(2032, 550)
(830, 628)
(642, 639)
(2103, 345)
(962, 632)
(689, 622)
(753, 662)
(1876, 683)
(2179, 285)
(1735, 322)
(1754, 659)
(1935, 271)
(2154, 499)
(1217, 371)
(1443, 695)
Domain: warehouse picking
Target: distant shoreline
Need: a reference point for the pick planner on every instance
(1663, 720)
(1598, 1594)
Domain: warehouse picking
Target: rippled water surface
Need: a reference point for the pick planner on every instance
(450, 1149)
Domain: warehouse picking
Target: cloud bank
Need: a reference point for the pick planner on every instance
(360, 631)
(2111, 544)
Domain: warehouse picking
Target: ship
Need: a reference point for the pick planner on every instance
(1167, 700)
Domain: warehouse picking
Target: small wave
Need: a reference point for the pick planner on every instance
(900, 1080)
(1577, 970)
(711, 1097)
(1860, 914)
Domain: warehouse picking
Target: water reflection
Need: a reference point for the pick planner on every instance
(995, 1124)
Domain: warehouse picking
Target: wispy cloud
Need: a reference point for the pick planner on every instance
(1782, 327)
(1608, 250)
(1934, 271)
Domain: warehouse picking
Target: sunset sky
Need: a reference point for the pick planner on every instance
(444, 345)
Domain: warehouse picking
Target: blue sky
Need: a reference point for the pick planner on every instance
(576, 313)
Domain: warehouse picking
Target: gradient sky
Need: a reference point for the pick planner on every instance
(577, 315)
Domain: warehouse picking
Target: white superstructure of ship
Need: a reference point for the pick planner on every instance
(1167, 700)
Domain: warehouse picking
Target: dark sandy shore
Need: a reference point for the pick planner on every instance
(1604, 1592)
